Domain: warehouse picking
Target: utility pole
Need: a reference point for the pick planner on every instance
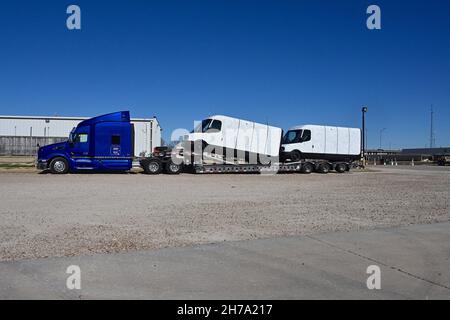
(381, 133)
(431, 128)
(363, 136)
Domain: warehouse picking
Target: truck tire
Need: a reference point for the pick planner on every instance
(323, 168)
(59, 165)
(295, 156)
(340, 167)
(152, 166)
(173, 168)
(307, 168)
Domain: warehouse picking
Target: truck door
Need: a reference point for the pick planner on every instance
(213, 134)
(306, 144)
(79, 148)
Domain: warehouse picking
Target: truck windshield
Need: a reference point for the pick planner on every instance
(72, 134)
(292, 136)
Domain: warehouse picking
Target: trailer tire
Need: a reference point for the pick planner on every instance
(173, 168)
(152, 166)
(323, 168)
(59, 165)
(340, 167)
(307, 168)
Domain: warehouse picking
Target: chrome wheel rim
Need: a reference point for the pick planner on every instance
(153, 167)
(59, 166)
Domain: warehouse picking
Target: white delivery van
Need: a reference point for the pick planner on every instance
(227, 133)
(322, 142)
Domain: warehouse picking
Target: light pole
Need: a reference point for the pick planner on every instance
(381, 133)
(363, 136)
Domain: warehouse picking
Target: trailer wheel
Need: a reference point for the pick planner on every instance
(323, 168)
(340, 167)
(173, 168)
(153, 166)
(59, 166)
(307, 168)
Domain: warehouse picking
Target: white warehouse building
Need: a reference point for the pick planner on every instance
(20, 135)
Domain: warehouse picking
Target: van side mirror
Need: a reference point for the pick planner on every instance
(38, 145)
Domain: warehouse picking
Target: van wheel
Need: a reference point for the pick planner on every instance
(323, 168)
(340, 167)
(295, 156)
(306, 168)
(59, 166)
(173, 168)
(153, 166)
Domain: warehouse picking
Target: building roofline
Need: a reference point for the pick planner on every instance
(66, 118)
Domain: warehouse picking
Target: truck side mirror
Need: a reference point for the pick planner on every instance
(38, 145)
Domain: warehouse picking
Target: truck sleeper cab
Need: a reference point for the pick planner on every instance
(104, 143)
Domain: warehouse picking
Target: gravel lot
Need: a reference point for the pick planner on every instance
(43, 215)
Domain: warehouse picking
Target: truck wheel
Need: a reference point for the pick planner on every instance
(306, 168)
(340, 167)
(59, 166)
(153, 166)
(173, 168)
(323, 168)
(295, 156)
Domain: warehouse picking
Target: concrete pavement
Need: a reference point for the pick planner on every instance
(414, 263)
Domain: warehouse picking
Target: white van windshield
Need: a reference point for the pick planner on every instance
(210, 125)
(292, 136)
(297, 136)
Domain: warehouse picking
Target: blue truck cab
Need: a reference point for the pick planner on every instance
(103, 143)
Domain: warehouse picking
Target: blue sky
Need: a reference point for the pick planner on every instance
(282, 62)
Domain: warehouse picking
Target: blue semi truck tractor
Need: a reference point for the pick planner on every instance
(103, 143)
(100, 143)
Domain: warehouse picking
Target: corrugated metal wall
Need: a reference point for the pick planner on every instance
(24, 146)
(37, 127)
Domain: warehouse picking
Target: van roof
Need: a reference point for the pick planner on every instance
(316, 126)
(222, 118)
